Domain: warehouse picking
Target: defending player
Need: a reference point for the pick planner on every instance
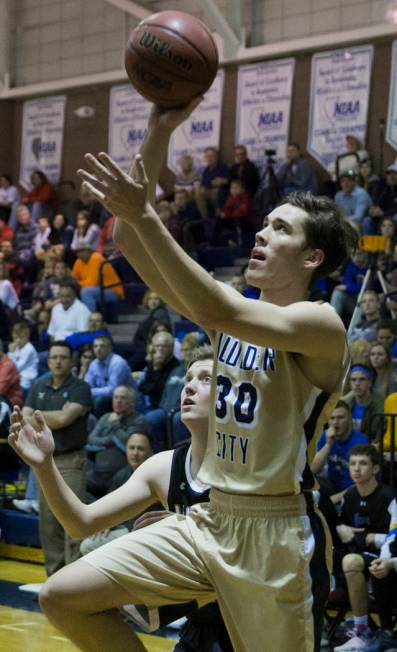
(278, 361)
(170, 477)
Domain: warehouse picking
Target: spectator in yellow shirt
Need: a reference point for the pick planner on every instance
(86, 272)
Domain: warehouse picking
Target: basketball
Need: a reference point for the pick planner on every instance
(170, 58)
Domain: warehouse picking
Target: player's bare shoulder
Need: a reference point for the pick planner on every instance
(323, 365)
(156, 472)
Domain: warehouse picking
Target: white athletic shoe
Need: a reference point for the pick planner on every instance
(28, 506)
(354, 644)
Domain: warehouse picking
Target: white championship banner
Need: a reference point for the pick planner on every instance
(128, 116)
(391, 129)
(339, 97)
(202, 129)
(264, 94)
(42, 138)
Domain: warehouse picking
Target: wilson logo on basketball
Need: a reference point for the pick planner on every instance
(163, 49)
(154, 80)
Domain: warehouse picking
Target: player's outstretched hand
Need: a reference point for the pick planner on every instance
(124, 196)
(34, 445)
(172, 118)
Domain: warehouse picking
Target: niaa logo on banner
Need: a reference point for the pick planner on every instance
(131, 137)
(338, 110)
(201, 128)
(265, 120)
(197, 130)
(42, 148)
(270, 118)
(346, 110)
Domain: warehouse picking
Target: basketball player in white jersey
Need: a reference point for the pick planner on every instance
(259, 546)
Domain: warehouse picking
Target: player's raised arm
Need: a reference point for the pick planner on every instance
(153, 154)
(282, 265)
(36, 446)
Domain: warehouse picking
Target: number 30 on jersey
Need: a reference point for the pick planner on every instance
(238, 403)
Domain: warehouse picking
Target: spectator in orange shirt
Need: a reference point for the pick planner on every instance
(42, 198)
(86, 271)
(9, 379)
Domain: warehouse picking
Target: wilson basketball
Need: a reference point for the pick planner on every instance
(171, 57)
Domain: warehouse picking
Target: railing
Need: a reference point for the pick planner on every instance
(389, 455)
(108, 287)
(126, 283)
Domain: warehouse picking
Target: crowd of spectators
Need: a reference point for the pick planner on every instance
(57, 353)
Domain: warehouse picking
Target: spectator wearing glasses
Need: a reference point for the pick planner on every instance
(65, 402)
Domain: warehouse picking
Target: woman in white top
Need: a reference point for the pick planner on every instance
(8, 296)
(9, 199)
(24, 355)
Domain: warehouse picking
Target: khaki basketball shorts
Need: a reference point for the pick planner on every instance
(250, 553)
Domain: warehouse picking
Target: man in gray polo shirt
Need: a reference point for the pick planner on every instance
(65, 401)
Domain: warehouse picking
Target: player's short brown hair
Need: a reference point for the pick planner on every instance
(326, 228)
(203, 352)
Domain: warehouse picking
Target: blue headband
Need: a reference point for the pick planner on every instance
(364, 370)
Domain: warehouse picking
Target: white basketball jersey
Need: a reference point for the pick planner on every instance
(264, 416)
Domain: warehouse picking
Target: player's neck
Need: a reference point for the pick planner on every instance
(199, 445)
(285, 296)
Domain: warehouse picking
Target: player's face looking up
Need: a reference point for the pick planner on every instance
(195, 396)
(280, 253)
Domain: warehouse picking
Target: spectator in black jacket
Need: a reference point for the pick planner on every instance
(161, 384)
(138, 448)
(365, 523)
(24, 236)
(106, 442)
(157, 313)
(386, 202)
(245, 170)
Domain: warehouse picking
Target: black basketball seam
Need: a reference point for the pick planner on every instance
(176, 73)
(131, 50)
(175, 33)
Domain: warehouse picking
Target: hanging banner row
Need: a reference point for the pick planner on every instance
(339, 99)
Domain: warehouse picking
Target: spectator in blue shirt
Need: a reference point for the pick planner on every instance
(214, 187)
(105, 373)
(96, 327)
(333, 450)
(296, 173)
(344, 295)
(355, 202)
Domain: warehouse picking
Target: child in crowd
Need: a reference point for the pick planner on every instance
(22, 352)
